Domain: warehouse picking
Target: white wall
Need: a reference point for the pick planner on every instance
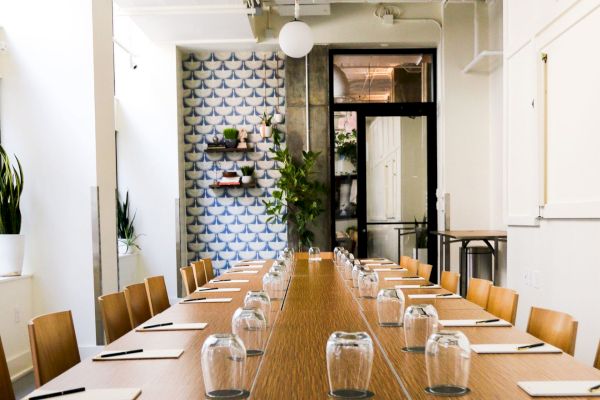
(57, 119)
(552, 263)
(16, 309)
(148, 146)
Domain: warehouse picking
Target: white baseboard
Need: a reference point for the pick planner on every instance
(19, 365)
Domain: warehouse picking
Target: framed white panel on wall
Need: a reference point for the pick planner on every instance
(523, 142)
(570, 122)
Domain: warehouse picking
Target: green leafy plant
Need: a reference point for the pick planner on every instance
(247, 170)
(298, 197)
(230, 133)
(125, 228)
(422, 233)
(266, 119)
(11, 188)
(345, 145)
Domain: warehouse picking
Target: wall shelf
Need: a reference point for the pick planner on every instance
(226, 150)
(241, 185)
(484, 62)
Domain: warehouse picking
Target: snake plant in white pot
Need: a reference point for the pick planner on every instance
(127, 238)
(12, 243)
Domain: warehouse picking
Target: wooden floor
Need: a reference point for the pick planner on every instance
(318, 302)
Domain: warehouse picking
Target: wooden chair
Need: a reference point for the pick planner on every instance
(412, 266)
(188, 280)
(6, 389)
(450, 281)
(479, 291)
(424, 271)
(199, 274)
(208, 269)
(158, 297)
(503, 303)
(597, 361)
(53, 345)
(557, 328)
(115, 316)
(137, 304)
(404, 261)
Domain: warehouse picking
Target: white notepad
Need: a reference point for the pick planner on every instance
(243, 271)
(242, 267)
(472, 322)
(229, 281)
(418, 287)
(92, 394)
(375, 260)
(399, 278)
(218, 290)
(251, 262)
(559, 388)
(145, 355)
(174, 327)
(390, 269)
(432, 296)
(382, 264)
(217, 300)
(511, 348)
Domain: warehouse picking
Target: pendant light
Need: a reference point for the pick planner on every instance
(295, 37)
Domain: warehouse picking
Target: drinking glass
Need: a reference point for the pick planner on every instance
(448, 361)
(259, 299)
(368, 284)
(223, 362)
(250, 325)
(281, 269)
(355, 271)
(420, 321)
(349, 362)
(347, 271)
(390, 307)
(314, 254)
(273, 284)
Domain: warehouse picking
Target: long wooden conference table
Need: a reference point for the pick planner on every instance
(318, 302)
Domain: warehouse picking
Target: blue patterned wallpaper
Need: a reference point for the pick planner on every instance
(223, 90)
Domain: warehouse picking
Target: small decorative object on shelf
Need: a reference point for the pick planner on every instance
(215, 144)
(247, 173)
(231, 137)
(230, 178)
(242, 138)
(265, 128)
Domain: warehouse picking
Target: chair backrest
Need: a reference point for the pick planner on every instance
(199, 274)
(412, 266)
(208, 269)
(597, 361)
(158, 297)
(53, 345)
(479, 291)
(557, 328)
(450, 281)
(503, 303)
(188, 280)
(137, 304)
(424, 271)
(6, 389)
(404, 261)
(115, 316)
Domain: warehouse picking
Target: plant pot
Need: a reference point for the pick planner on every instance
(12, 251)
(123, 249)
(246, 179)
(343, 166)
(422, 255)
(266, 131)
(231, 143)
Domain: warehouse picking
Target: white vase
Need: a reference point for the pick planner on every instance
(123, 249)
(12, 251)
(266, 131)
(277, 118)
(422, 255)
(246, 179)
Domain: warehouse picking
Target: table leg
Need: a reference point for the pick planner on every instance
(496, 254)
(441, 253)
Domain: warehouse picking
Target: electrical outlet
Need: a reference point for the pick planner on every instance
(536, 278)
(17, 315)
(527, 278)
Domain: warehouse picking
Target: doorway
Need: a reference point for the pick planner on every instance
(384, 158)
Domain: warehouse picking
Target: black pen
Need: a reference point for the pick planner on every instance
(530, 346)
(197, 298)
(487, 321)
(121, 353)
(427, 285)
(157, 325)
(594, 388)
(222, 280)
(445, 295)
(207, 289)
(56, 394)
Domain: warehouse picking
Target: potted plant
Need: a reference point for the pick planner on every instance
(127, 242)
(247, 173)
(420, 250)
(231, 137)
(12, 243)
(266, 130)
(297, 199)
(345, 150)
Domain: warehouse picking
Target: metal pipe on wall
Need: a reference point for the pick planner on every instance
(307, 105)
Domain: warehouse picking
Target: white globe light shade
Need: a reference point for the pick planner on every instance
(296, 39)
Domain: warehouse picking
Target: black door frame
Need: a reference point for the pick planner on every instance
(364, 110)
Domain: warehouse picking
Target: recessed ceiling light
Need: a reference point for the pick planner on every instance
(384, 44)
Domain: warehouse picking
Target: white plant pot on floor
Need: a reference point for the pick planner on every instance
(12, 251)
(422, 255)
